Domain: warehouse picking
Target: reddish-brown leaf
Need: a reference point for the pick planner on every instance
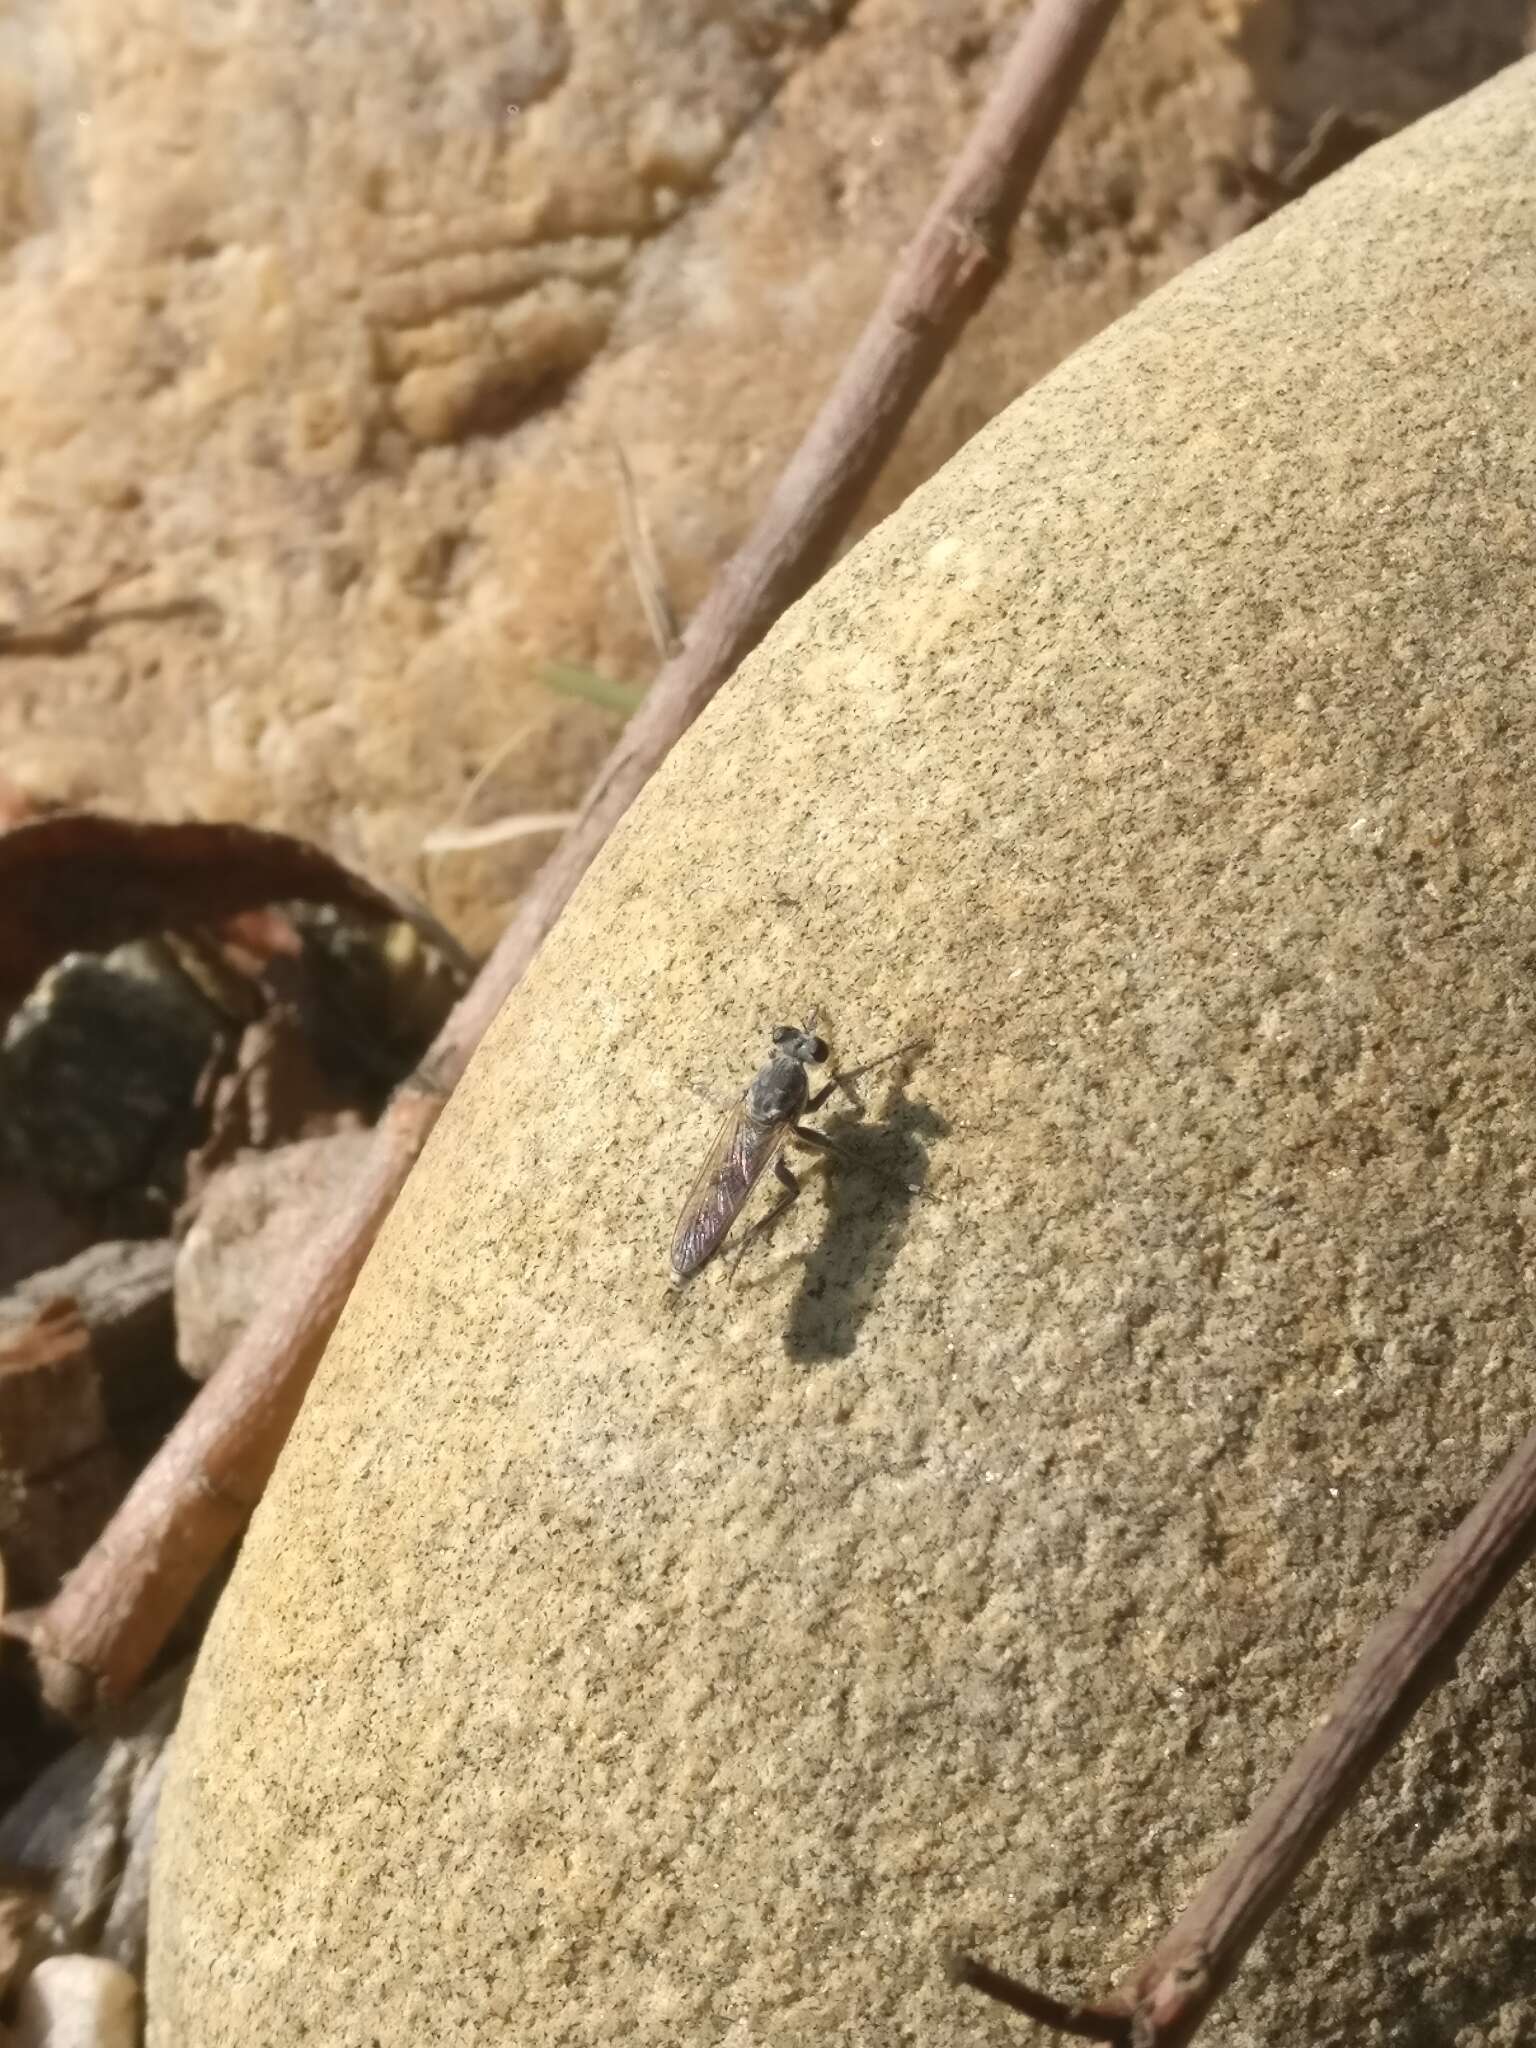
(81, 882)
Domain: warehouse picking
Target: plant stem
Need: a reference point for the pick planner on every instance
(1167, 1996)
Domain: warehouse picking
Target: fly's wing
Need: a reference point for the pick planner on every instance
(736, 1158)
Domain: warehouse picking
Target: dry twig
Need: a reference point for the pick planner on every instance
(101, 1632)
(498, 832)
(650, 585)
(67, 627)
(1169, 1994)
(1336, 139)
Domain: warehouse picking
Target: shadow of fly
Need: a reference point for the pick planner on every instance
(751, 1138)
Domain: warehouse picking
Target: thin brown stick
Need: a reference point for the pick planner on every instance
(101, 1631)
(1083, 2022)
(644, 568)
(1168, 1995)
(99, 1635)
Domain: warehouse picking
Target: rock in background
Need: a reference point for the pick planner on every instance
(316, 331)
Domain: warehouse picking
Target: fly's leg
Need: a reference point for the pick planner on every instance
(843, 1081)
(846, 1081)
(784, 1174)
(818, 1141)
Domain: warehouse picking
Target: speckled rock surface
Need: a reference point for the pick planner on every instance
(607, 1665)
(318, 327)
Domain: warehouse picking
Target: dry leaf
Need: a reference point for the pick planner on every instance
(81, 882)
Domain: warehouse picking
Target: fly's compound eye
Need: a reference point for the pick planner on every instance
(800, 1045)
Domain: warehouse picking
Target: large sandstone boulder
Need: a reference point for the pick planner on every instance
(318, 327)
(608, 1665)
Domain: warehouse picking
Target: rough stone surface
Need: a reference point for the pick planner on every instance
(606, 1664)
(257, 1216)
(318, 326)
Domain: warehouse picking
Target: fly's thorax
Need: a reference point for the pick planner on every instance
(779, 1093)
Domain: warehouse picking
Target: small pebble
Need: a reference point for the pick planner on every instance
(78, 2002)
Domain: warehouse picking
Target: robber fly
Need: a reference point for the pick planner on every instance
(750, 1138)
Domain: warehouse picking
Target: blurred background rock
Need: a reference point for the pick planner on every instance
(317, 331)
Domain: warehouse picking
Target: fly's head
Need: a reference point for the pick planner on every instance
(803, 1046)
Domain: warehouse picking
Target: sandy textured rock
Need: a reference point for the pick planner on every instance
(325, 323)
(608, 1665)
